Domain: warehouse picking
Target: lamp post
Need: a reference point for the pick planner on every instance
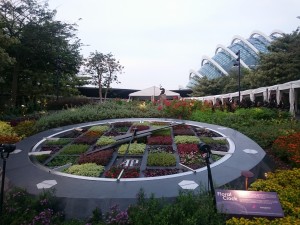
(5, 149)
(205, 152)
(238, 63)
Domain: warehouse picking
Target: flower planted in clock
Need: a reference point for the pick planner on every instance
(100, 158)
(161, 159)
(115, 171)
(160, 140)
(134, 149)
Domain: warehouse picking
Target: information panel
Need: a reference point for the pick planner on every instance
(248, 203)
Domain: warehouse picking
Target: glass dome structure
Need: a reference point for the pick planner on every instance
(222, 62)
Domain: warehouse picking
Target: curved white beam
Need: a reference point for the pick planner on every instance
(195, 73)
(232, 54)
(261, 34)
(214, 63)
(276, 32)
(238, 37)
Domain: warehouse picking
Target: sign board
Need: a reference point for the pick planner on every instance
(248, 203)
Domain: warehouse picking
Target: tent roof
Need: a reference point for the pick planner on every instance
(152, 91)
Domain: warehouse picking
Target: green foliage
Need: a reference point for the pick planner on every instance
(22, 208)
(68, 102)
(60, 141)
(162, 132)
(42, 158)
(134, 149)
(99, 129)
(104, 140)
(286, 184)
(209, 140)
(106, 110)
(87, 169)
(6, 129)
(161, 159)
(62, 160)
(187, 209)
(25, 128)
(74, 149)
(184, 139)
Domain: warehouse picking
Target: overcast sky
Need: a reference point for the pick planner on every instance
(159, 41)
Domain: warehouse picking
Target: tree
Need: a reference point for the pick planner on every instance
(103, 69)
(46, 53)
(114, 67)
(281, 64)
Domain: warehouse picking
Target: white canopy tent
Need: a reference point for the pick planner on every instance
(152, 93)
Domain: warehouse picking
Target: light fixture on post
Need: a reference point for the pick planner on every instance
(205, 152)
(238, 63)
(5, 150)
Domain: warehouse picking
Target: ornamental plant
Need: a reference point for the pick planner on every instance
(188, 132)
(9, 139)
(181, 109)
(104, 140)
(53, 149)
(208, 140)
(115, 171)
(159, 172)
(24, 128)
(134, 149)
(287, 148)
(161, 159)
(100, 158)
(139, 128)
(6, 129)
(163, 148)
(74, 149)
(160, 140)
(286, 184)
(162, 132)
(87, 169)
(184, 139)
(58, 142)
(62, 160)
(99, 129)
(187, 148)
(86, 139)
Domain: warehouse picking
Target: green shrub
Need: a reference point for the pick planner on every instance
(161, 159)
(87, 169)
(60, 142)
(134, 149)
(6, 129)
(104, 140)
(42, 158)
(184, 139)
(99, 129)
(286, 183)
(67, 102)
(24, 128)
(74, 149)
(208, 140)
(162, 132)
(62, 160)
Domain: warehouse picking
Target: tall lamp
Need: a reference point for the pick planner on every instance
(205, 152)
(238, 63)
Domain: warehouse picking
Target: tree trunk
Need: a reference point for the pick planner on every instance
(100, 92)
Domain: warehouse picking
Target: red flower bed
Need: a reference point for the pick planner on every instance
(183, 132)
(187, 148)
(288, 148)
(8, 139)
(159, 140)
(89, 140)
(159, 172)
(114, 172)
(101, 158)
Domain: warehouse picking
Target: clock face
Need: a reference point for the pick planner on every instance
(131, 149)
